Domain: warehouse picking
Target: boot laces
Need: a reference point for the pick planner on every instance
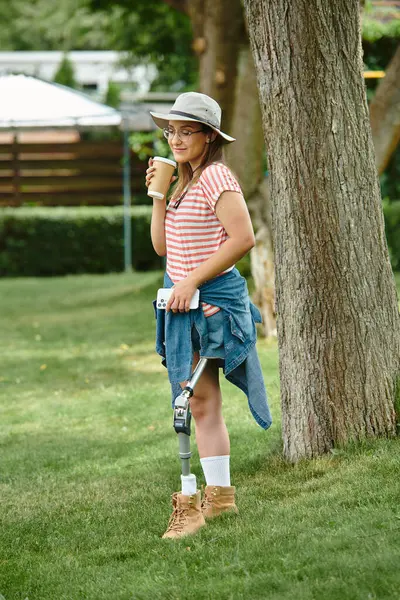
(207, 501)
(178, 518)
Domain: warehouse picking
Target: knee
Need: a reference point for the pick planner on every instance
(204, 408)
(198, 407)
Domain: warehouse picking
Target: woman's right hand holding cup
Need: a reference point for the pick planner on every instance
(149, 172)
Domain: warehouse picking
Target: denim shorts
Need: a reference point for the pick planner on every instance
(215, 328)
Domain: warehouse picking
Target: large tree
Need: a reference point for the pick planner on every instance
(338, 317)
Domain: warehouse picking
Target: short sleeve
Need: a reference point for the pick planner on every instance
(216, 179)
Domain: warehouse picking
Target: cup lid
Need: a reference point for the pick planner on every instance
(166, 160)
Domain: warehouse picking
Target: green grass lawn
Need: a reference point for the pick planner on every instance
(89, 459)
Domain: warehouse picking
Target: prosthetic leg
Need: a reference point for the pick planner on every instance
(189, 511)
(183, 416)
(187, 516)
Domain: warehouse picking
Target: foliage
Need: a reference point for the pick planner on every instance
(58, 241)
(374, 30)
(152, 31)
(89, 459)
(148, 31)
(244, 266)
(40, 25)
(390, 179)
(113, 95)
(376, 57)
(397, 405)
(65, 73)
(391, 211)
(149, 144)
(380, 22)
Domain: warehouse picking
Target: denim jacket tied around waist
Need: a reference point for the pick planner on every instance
(242, 366)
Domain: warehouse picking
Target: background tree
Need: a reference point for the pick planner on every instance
(381, 29)
(65, 73)
(385, 114)
(338, 318)
(113, 95)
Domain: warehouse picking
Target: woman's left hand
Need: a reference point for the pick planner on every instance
(183, 292)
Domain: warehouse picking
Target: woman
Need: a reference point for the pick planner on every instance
(203, 231)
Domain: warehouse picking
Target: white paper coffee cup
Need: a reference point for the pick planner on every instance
(160, 182)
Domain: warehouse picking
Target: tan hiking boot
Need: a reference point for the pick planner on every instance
(218, 499)
(186, 518)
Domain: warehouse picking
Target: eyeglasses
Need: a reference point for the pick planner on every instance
(183, 134)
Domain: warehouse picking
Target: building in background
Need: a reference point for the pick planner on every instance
(93, 71)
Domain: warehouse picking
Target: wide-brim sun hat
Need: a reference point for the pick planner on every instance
(193, 106)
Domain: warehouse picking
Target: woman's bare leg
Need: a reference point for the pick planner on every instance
(212, 436)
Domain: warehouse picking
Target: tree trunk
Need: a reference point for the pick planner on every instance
(217, 30)
(338, 318)
(246, 158)
(385, 114)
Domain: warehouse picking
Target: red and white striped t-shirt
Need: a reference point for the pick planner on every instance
(192, 230)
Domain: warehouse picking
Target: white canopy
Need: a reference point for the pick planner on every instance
(27, 102)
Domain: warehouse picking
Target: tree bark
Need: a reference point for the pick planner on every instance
(338, 318)
(385, 114)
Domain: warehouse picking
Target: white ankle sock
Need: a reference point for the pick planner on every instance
(216, 470)
(189, 486)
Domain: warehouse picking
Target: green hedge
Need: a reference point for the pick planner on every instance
(58, 241)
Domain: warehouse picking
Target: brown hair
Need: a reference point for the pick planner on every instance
(186, 177)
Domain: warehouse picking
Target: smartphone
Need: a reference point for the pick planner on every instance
(164, 294)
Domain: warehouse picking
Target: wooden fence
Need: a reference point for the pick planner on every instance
(66, 174)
